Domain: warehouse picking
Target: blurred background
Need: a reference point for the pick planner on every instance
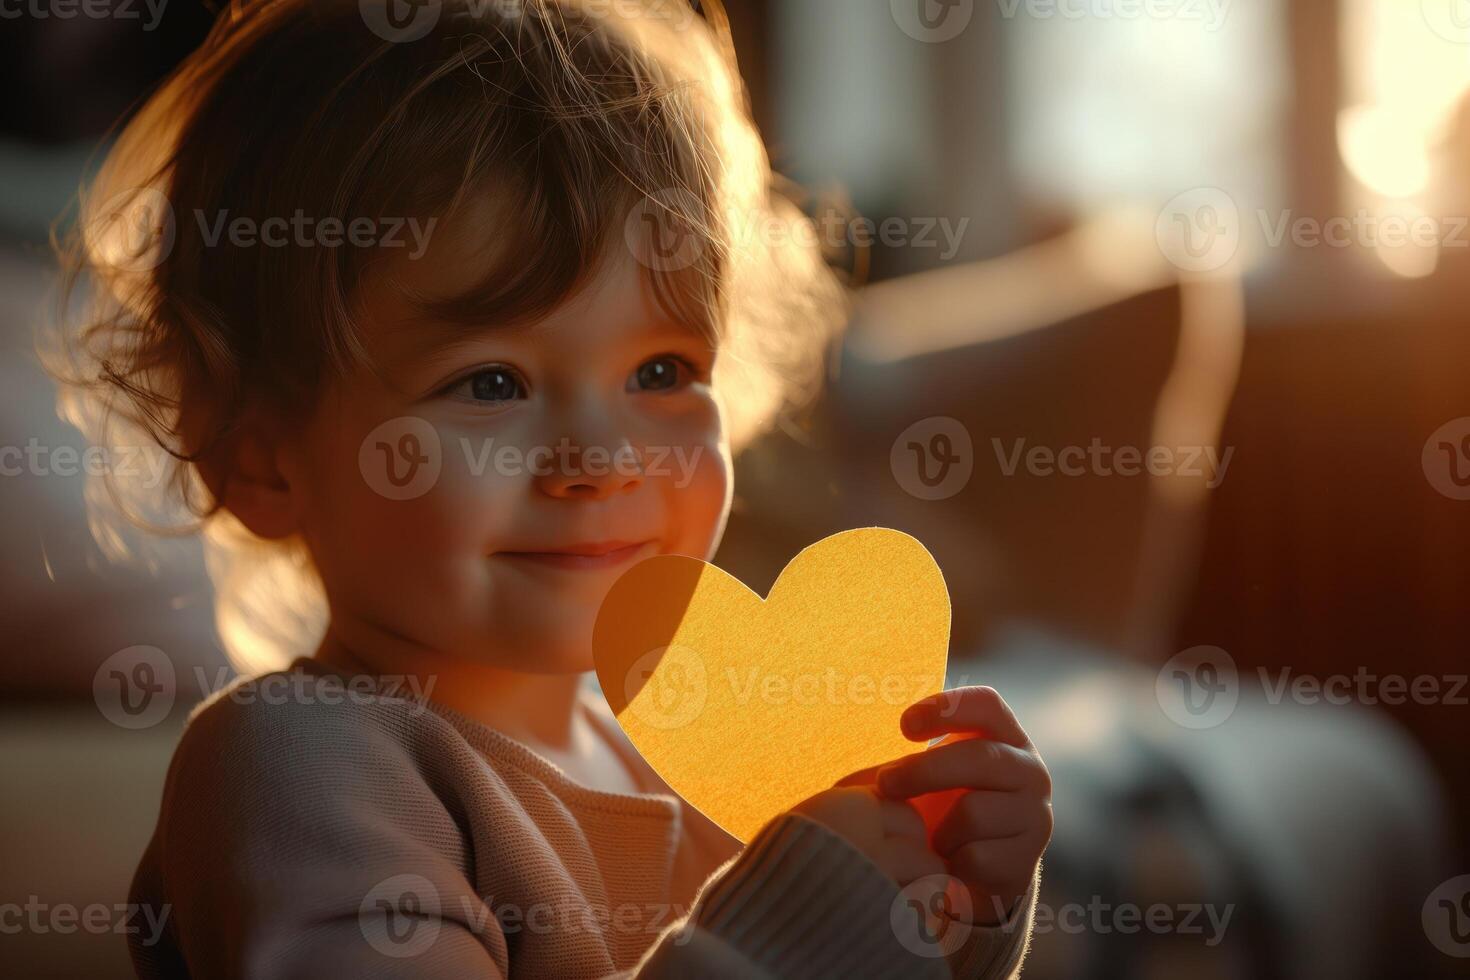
(1160, 348)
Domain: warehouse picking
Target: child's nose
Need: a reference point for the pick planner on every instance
(591, 472)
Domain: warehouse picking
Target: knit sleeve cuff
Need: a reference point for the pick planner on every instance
(801, 901)
(996, 952)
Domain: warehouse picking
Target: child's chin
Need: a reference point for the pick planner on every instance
(556, 653)
(539, 637)
(570, 665)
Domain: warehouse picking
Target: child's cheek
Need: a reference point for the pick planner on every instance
(416, 482)
(484, 480)
(700, 494)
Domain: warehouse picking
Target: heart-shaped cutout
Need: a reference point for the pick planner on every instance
(747, 706)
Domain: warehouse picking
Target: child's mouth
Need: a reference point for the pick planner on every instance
(586, 556)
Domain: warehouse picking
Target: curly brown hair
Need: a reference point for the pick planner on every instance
(588, 113)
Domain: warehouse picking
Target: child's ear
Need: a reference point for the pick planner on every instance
(245, 475)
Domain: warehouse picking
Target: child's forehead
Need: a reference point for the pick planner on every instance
(616, 304)
(476, 235)
(492, 269)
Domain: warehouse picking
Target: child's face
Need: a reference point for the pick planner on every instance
(537, 429)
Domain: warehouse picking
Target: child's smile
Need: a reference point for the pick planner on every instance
(589, 555)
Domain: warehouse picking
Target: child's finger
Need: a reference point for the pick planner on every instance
(907, 861)
(964, 709)
(869, 776)
(984, 815)
(863, 777)
(901, 819)
(972, 763)
(996, 866)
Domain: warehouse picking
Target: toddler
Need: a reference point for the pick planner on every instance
(450, 312)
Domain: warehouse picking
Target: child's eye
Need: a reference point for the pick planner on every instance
(496, 383)
(663, 373)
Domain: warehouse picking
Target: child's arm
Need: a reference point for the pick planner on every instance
(291, 832)
(798, 901)
(995, 952)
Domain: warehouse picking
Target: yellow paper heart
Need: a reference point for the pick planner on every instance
(746, 706)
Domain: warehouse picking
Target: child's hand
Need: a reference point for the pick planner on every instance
(890, 832)
(991, 817)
